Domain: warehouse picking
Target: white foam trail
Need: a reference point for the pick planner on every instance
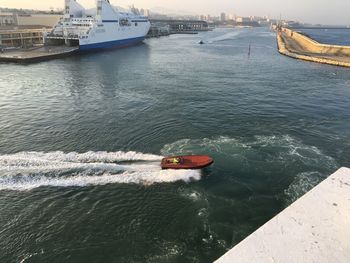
(146, 178)
(302, 183)
(29, 170)
(88, 157)
(227, 36)
(266, 34)
(25, 168)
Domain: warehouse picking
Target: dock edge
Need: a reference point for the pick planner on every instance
(315, 228)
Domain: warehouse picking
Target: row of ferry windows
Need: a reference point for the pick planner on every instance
(76, 20)
(136, 24)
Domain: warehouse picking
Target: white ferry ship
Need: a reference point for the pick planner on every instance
(105, 28)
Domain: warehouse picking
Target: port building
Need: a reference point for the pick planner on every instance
(25, 30)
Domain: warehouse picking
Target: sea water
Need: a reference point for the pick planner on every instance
(81, 140)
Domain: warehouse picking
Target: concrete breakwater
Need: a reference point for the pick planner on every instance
(299, 46)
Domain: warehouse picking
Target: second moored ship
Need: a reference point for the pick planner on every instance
(102, 29)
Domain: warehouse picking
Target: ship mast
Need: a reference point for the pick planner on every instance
(99, 7)
(66, 9)
(104, 8)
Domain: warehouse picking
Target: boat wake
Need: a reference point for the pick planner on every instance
(29, 170)
(292, 166)
(225, 37)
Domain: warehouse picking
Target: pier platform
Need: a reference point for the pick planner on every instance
(36, 54)
(316, 228)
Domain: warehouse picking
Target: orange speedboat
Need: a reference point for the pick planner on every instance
(186, 162)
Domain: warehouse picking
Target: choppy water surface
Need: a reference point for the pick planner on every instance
(81, 139)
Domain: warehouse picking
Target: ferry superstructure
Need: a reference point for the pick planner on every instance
(107, 28)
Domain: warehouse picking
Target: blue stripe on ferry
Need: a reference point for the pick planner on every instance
(112, 44)
(110, 21)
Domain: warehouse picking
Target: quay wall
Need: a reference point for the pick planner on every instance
(311, 45)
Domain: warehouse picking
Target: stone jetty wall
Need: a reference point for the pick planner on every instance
(313, 46)
(299, 46)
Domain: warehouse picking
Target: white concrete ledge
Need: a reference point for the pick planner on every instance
(316, 228)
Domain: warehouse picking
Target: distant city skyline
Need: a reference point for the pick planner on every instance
(333, 12)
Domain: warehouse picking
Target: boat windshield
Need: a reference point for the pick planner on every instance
(175, 160)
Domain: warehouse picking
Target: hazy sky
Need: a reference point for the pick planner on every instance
(313, 11)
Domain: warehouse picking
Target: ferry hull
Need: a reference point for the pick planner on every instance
(111, 44)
